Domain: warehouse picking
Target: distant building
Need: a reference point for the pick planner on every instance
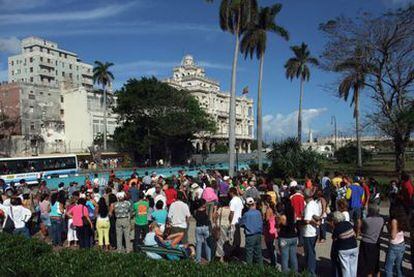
(84, 119)
(41, 62)
(50, 93)
(215, 102)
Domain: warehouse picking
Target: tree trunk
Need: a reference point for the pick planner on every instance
(400, 144)
(259, 115)
(302, 81)
(357, 127)
(104, 118)
(232, 110)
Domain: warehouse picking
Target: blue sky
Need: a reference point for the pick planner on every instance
(146, 37)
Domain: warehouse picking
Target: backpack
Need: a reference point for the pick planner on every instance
(9, 224)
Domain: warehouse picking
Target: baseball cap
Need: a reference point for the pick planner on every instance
(194, 186)
(225, 178)
(249, 201)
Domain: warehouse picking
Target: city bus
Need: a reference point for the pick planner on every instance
(32, 168)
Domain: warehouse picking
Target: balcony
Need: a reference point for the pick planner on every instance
(46, 64)
(46, 73)
(87, 75)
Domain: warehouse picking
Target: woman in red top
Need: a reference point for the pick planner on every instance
(170, 194)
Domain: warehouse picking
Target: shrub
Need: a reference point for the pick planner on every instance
(24, 257)
(349, 154)
(290, 159)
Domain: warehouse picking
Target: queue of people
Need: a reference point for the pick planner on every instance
(287, 217)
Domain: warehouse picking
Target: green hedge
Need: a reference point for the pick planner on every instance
(24, 257)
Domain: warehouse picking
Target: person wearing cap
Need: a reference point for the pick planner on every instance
(355, 194)
(310, 222)
(159, 195)
(197, 191)
(252, 223)
(122, 211)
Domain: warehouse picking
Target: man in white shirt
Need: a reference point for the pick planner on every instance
(178, 216)
(197, 191)
(236, 208)
(311, 221)
(159, 195)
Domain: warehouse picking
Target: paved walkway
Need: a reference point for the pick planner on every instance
(323, 250)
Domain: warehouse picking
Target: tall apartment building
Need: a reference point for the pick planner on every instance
(215, 102)
(50, 93)
(41, 62)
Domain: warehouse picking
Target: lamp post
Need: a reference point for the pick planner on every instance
(237, 158)
(333, 122)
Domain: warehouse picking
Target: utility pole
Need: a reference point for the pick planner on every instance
(333, 122)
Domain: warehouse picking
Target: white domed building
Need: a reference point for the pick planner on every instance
(216, 103)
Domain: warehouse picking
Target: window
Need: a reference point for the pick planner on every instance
(70, 66)
(63, 74)
(12, 62)
(31, 69)
(41, 59)
(61, 99)
(31, 109)
(41, 92)
(62, 112)
(31, 79)
(32, 97)
(48, 60)
(31, 59)
(32, 126)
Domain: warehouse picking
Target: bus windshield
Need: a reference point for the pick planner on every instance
(36, 165)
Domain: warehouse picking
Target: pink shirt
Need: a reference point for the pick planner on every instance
(77, 214)
(209, 195)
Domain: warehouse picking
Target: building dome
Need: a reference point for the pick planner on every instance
(188, 60)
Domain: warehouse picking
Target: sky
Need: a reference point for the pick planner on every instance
(144, 38)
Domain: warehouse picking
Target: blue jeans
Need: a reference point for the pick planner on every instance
(254, 249)
(56, 230)
(394, 256)
(288, 252)
(22, 231)
(310, 254)
(348, 260)
(202, 233)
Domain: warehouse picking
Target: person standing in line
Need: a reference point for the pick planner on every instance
(369, 249)
(344, 246)
(56, 219)
(83, 228)
(202, 231)
(355, 195)
(288, 237)
(311, 221)
(298, 204)
(20, 216)
(236, 208)
(396, 248)
(102, 224)
(270, 232)
(252, 223)
(178, 215)
(122, 211)
(141, 209)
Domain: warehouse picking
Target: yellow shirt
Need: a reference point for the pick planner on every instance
(336, 181)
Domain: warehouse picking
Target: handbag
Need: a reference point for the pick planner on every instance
(9, 224)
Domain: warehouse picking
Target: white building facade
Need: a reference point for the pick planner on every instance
(41, 62)
(216, 103)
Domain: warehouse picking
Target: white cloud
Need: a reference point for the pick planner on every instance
(281, 126)
(102, 12)
(10, 45)
(9, 5)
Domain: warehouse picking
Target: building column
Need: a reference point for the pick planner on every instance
(248, 147)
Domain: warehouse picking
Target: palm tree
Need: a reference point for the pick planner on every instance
(235, 17)
(297, 67)
(102, 76)
(356, 70)
(254, 41)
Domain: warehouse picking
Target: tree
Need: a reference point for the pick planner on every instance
(254, 42)
(348, 153)
(9, 126)
(297, 67)
(290, 159)
(235, 17)
(102, 76)
(355, 69)
(158, 121)
(389, 42)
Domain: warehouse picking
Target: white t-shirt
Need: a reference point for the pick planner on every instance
(293, 184)
(161, 197)
(311, 209)
(19, 214)
(236, 206)
(199, 192)
(178, 214)
(346, 214)
(150, 191)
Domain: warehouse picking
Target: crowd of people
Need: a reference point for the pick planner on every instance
(289, 217)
